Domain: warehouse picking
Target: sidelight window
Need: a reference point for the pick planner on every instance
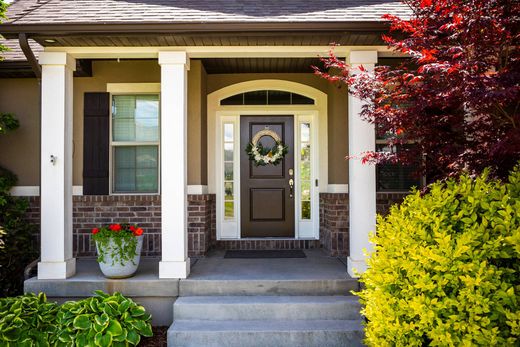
(229, 174)
(135, 143)
(305, 170)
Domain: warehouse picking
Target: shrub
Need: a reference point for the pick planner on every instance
(27, 320)
(103, 320)
(445, 270)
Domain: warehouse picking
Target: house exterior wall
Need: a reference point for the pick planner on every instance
(19, 150)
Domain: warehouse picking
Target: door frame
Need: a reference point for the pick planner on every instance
(229, 229)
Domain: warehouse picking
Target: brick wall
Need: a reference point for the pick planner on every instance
(145, 210)
(334, 218)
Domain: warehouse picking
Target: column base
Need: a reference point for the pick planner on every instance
(356, 267)
(174, 269)
(56, 270)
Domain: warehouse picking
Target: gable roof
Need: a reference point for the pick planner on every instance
(200, 11)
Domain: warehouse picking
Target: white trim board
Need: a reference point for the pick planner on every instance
(35, 190)
(337, 188)
(197, 189)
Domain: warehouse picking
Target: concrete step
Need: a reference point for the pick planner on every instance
(218, 308)
(231, 333)
(205, 287)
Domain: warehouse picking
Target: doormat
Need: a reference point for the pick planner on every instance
(258, 254)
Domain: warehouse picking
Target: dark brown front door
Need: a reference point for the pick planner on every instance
(267, 207)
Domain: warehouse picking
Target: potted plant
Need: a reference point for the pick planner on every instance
(119, 249)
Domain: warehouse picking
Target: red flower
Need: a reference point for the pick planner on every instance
(115, 227)
(132, 228)
(138, 232)
(95, 231)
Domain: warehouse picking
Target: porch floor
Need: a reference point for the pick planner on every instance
(318, 274)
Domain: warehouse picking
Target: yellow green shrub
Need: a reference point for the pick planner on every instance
(445, 271)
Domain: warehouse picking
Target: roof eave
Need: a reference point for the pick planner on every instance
(11, 30)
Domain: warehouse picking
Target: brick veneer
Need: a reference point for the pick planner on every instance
(145, 210)
(334, 218)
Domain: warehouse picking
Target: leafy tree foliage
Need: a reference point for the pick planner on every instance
(458, 95)
(3, 10)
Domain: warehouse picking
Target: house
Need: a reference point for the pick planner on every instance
(141, 110)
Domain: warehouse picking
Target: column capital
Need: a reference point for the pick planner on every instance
(57, 58)
(174, 58)
(363, 57)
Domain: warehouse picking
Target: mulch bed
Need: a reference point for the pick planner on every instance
(157, 340)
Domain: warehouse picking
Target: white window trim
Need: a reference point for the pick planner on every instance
(133, 89)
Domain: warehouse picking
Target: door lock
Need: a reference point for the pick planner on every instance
(291, 187)
(291, 172)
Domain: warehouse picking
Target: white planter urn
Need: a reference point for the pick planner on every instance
(112, 267)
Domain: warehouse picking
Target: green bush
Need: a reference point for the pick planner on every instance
(27, 320)
(445, 271)
(101, 320)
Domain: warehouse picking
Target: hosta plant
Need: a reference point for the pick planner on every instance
(102, 320)
(446, 267)
(27, 320)
(117, 242)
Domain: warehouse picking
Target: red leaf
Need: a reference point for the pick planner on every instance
(426, 3)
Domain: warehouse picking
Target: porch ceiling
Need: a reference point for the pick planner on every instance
(260, 65)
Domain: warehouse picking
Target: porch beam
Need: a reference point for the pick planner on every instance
(362, 177)
(174, 238)
(56, 166)
(216, 51)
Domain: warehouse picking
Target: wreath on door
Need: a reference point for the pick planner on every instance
(261, 155)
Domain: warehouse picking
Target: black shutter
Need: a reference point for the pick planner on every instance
(96, 145)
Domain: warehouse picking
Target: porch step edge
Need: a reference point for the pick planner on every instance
(289, 333)
(267, 307)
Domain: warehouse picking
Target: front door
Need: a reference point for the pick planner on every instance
(267, 194)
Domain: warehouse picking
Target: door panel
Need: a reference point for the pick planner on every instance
(267, 202)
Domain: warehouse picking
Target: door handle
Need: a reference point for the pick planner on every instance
(291, 187)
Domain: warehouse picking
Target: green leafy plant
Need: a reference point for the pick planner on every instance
(27, 320)
(18, 242)
(102, 320)
(445, 270)
(117, 240)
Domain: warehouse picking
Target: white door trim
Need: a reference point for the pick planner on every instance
(218, 115)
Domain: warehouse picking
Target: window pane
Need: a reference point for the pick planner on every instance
(305, 170)
(277, 97)
(298, 99)
(229, 209)
(228, 171)
(306, 210)
(305, 132)
(136, 169)
(228, 132)
(228, 152)
(306, 152)
(228, 191)
(306, 190)
(135, 117)
(255, 98)
(395, 177)
(237, 99)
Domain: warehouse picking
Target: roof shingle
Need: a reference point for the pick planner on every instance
(195, 11)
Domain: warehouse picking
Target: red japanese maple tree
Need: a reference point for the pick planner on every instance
(456, 97)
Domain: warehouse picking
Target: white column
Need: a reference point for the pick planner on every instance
(56, 166)
(362, 178)
(174, 92)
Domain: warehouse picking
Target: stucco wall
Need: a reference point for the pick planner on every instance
(337, 113)
(19, 150)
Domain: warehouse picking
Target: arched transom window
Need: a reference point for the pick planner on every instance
(267, 97)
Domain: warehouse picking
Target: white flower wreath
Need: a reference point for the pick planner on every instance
(261, 155)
